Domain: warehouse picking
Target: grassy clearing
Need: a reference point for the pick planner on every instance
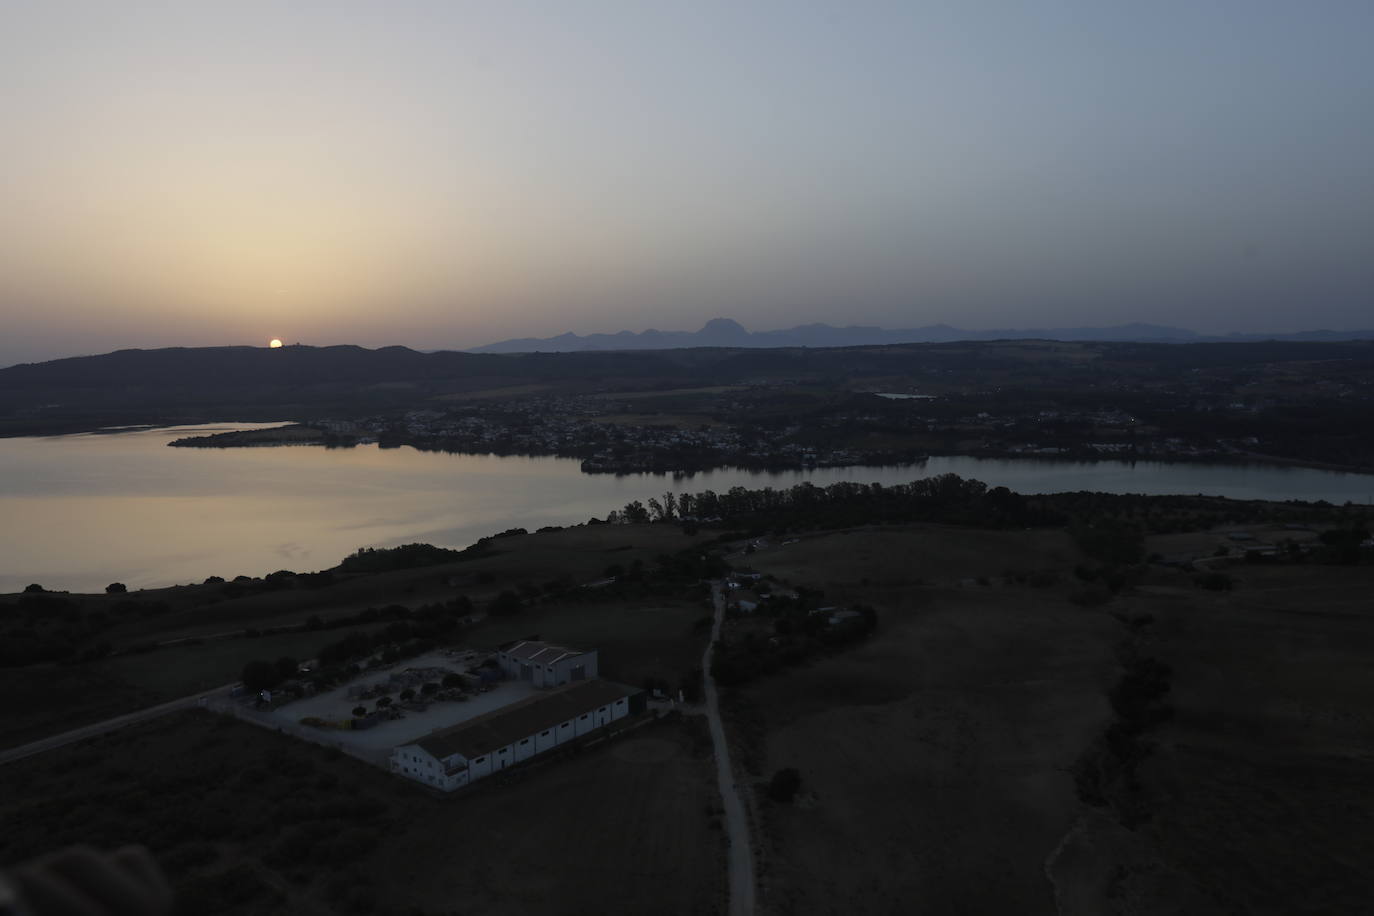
(248, 821)
(579, 554)
(944, 775)
(902, 556)
(1260, 789)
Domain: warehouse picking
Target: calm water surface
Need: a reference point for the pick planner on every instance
(79, 512)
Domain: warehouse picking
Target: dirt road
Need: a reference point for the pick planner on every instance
(741, 863)
(109, 725)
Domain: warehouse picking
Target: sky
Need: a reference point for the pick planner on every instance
(450, 174)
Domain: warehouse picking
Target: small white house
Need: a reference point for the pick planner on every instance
(450, 758)
(546, 665)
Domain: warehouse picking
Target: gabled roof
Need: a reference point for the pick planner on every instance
(541, 652)
(494, 730)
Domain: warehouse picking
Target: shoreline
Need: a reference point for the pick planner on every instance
(304, 434)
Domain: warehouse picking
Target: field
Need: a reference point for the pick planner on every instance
(940, 783)
(580, 554)
(248, 821)
(888, 559)
(942, 758)
(1260, 790)
(638, 638)
(938, 757)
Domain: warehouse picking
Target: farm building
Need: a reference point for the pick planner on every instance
(451, 758)
(546, 665)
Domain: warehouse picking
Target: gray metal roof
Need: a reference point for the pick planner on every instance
(541, 652)
(494, 730)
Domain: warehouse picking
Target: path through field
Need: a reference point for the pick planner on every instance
(109, 725)
(741, 865)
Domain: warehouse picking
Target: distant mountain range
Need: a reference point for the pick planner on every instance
(726, 332)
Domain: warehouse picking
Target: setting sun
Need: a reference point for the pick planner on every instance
(274, 343)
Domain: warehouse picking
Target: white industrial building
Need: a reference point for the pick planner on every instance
(450, 758)
(546, 665)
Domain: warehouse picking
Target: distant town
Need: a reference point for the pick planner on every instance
(1229, 403)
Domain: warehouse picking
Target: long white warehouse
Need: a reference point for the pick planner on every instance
(450, 758)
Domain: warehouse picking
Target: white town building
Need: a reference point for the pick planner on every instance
(450, 758)
(546, 665)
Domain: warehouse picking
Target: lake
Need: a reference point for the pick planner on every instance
(78, 512)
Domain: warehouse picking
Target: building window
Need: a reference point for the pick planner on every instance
(583, 716)
(544, 734)
(525, 741)
(479, 760)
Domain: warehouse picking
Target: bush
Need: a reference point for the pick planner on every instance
(505, 604)
(784, 785)
(116, 588)
(260, 675)
(1215, 581)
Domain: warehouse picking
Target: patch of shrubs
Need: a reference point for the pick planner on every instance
(784, 785)
(1106, 774)
(1215, 581)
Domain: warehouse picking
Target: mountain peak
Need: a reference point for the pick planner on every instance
(723, 326)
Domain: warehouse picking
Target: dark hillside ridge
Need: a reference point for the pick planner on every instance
(213, 384)
(726, 332)
(258, 367)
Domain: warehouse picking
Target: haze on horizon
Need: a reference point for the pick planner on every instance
(451, 174)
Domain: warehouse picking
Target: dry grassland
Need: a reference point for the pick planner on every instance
(248, 821)
(936, 757)
(899, 557)
(1261, 790)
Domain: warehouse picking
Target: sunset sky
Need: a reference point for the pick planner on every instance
(449, 174)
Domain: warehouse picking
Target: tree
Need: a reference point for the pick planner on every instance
(359, 711)
(453, 680)
(504, 604)
(116, 588)
(33, 589)
(1215, 581)
(429, 688)
(286, 668)
(407, 694)
(784, 785)
(383, 702)
(259, 675)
